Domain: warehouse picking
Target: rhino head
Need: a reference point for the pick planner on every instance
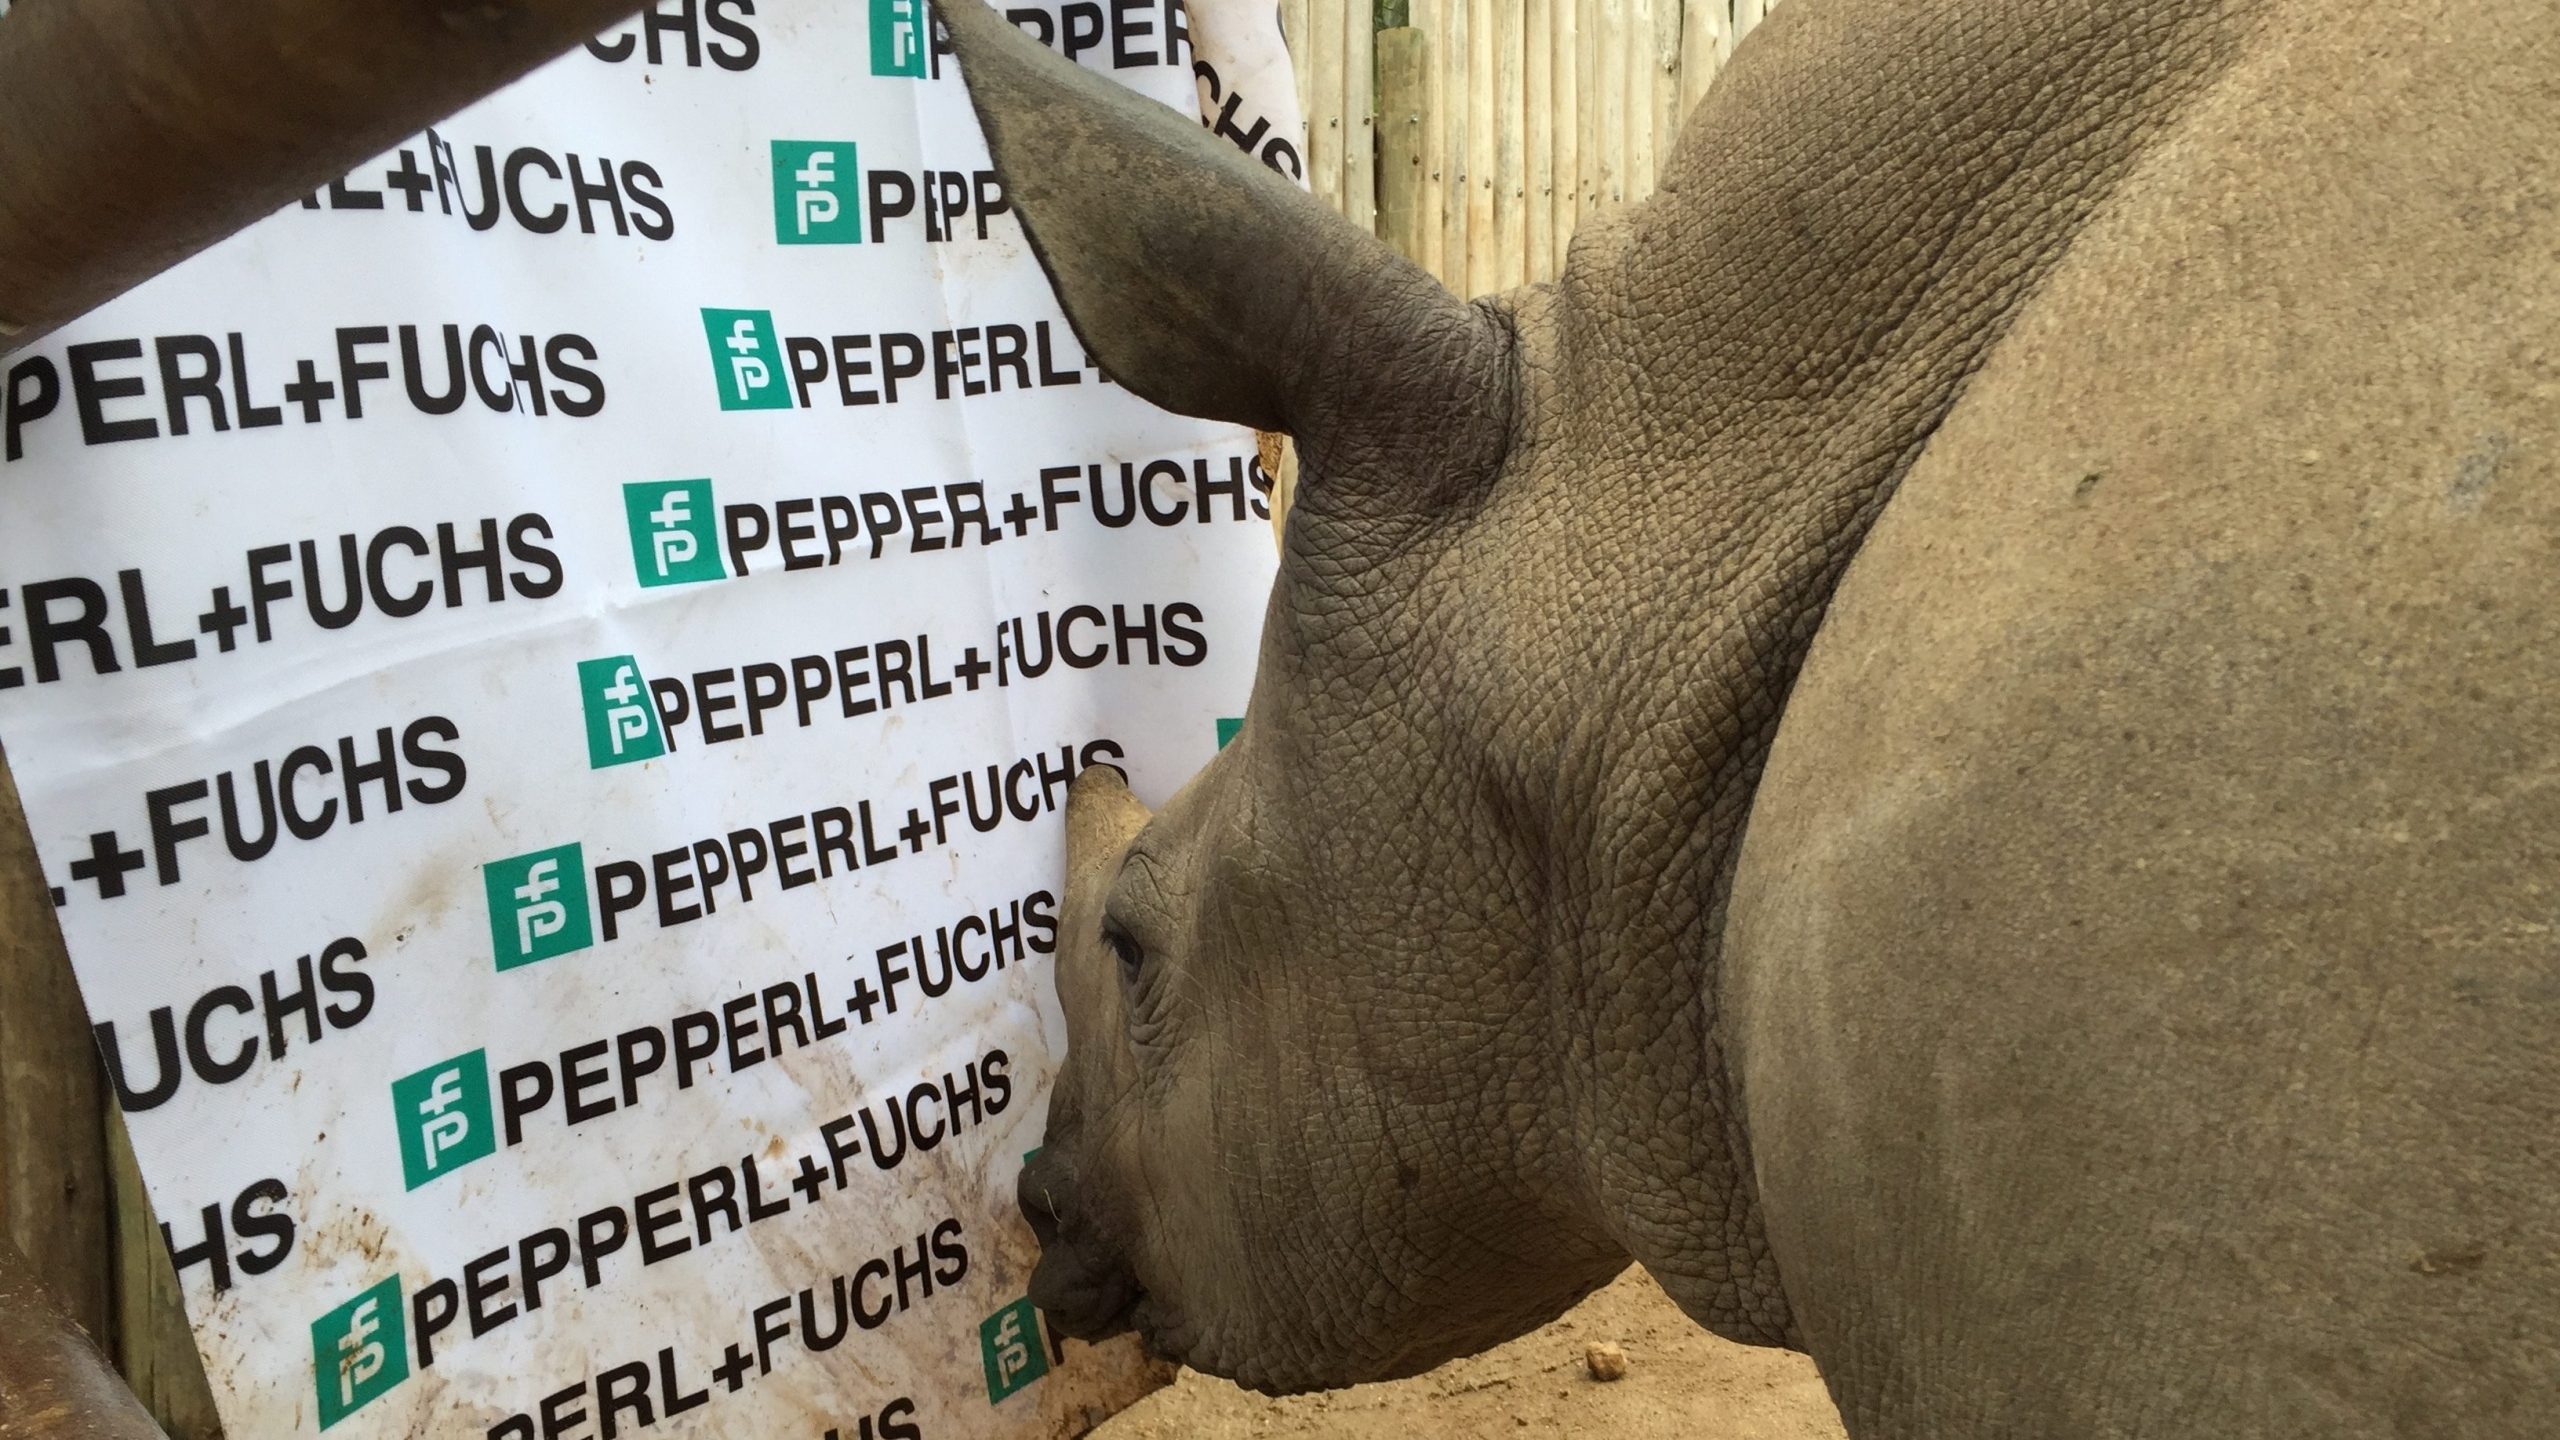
(1399, 1029)
(1263, 1151)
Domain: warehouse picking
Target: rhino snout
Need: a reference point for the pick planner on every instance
(1086, 1291)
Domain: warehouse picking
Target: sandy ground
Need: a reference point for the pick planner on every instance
(1680, 1382)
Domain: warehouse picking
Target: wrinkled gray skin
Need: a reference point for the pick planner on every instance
(2085, 968)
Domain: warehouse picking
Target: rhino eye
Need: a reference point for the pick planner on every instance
(1132, 957)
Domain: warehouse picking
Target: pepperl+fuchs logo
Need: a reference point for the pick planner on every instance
(443, 1114)
(622, 726)
(359, 1351)
(674, 539)
(897, 38)
(538, 905)
(746, 360)
(1009, 1344)
(817, 198)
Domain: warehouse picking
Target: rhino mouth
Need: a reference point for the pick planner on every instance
(1084, 1301)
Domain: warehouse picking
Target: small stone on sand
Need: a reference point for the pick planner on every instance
(1605, 1361)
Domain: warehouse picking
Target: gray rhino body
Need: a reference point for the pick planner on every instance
(1953, 742)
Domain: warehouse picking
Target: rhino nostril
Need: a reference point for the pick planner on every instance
(1037, 1195)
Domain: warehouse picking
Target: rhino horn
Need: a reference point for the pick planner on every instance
(1102, 814)
(1198, 278)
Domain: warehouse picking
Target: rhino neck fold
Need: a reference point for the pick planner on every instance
(1716, 403)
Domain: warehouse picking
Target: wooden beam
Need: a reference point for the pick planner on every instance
(135, 133)
(54, 1383)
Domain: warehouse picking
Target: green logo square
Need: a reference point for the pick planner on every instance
(1228, 725)
(898, 38)
(622, 723)
(537, 905)
(817, 193)
(674, 539)
(746, 360)
(443, 1115)
(358, 1351)
(1010, 1345)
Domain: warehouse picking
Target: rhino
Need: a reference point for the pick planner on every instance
(1951, 742)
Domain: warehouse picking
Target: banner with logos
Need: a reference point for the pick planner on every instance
(543, 678)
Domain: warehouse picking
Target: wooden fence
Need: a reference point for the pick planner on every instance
(1475, 135)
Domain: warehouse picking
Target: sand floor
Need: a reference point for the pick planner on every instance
(1680, 1382)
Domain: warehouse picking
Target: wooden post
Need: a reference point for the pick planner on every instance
(1746, 17)
(1706, 37)
(54, 1192)
(1450, 62)
(1293, 33)
(1402, 180)
(1668, 112)
(1566, 116)
(154, 1348)
(73, 1201)
(1608, 105)
(1484, 143)
(1585, 111)
(1322, 57)
(1635, 62)
(1538, 140)
(1360, 119)
(1510, 171)
(1430, 134)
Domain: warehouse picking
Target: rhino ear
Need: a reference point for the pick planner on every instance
(1198, 278)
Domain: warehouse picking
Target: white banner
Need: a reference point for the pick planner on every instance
(543, 679)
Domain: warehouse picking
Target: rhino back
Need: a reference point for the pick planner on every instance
(2142, 967)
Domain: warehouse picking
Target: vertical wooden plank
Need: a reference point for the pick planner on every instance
(1564, 37)
(1609, 74)
(54, 1194)
(1538, 138)
(1402, 178)
(1431, 134)
(1484, 142)
(1588, 83)
(1667, 109)
(1510, 127)
(1746, 17)
(1360, 116)
(1293, 32)
(1635, 59)
(1706, 37)
(1324, 99)
(153, 1347)
(1451, 57)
